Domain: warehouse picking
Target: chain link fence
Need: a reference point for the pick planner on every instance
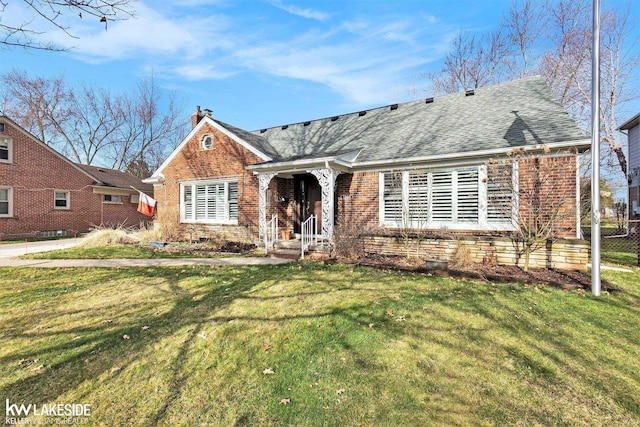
(620, 241)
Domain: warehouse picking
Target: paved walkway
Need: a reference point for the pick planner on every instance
(156, 262)
(9, 252)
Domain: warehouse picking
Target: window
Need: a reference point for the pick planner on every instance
(5, 150)
(207, 142)
(500, 190)
(456, 198)
(1, 127)
(6, 204)
(210, 202)
(61, 200)
(111, 198)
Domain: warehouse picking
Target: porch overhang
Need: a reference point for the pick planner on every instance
(342, 163)
(326, 170)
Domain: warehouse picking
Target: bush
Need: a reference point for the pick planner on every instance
(348, 240)
(119, 236)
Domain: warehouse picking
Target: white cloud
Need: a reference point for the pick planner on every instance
(365, 59)
(298, 11)
(149, 33)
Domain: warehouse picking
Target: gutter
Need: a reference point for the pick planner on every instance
(469, 154)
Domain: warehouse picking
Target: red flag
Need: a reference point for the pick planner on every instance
(146, 204)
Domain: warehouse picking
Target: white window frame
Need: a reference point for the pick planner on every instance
(482, 222)
(227, 205)
(9, 201)
(9, 143)
(204, 142)
(67, 199)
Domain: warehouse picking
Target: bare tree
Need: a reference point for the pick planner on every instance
(130, 132)
(537, 198)
(472, 63)
(553, 39)
(30, 101)
(149, 126)
(50, 14)
(567, 68)
(524, 25)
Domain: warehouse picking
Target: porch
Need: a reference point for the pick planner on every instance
(297, 210)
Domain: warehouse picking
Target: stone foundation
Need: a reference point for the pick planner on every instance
(565, 254)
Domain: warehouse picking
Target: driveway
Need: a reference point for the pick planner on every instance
(10, 250)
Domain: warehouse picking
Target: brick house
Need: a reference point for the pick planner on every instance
(632, 127)
(43, 194)
(417, 165)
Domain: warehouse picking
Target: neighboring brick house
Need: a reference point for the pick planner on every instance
(43, 194)
(632, 126)
(416, 165)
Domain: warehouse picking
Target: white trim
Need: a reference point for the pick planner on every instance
(227, 211)
(578, 206)
(9, 141)
(202, 142)
(99, 189)
(209, 121)
(9, 201)
(481, 225)
(67, 199)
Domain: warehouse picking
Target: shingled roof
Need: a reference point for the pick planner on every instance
(518, 113)
(113, 178)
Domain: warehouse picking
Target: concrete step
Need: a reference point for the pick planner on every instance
(285, 253)
(297, 244)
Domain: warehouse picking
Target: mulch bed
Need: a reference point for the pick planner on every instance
(237, 247)
(565, 279)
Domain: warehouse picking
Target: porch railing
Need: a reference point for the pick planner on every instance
(271, 233)
(308, 233)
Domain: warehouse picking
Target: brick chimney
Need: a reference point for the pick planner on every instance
(196, 117)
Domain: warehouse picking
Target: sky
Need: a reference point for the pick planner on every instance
(265, 63)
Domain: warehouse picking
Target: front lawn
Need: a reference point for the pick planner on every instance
(307, 344)
(133, 251)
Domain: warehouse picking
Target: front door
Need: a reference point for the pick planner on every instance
(308, 200)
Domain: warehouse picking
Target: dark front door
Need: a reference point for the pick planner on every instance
(308, 200)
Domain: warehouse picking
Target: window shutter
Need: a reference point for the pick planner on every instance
(393, 197)
(201, 201)
(233, 200)
(188, 201)
(500, 193)
(442, 196)
(419, 198)
(467, 196)
(4, 201)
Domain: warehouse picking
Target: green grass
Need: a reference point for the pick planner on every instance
(114, 252)
(348, 346)
(621, 250)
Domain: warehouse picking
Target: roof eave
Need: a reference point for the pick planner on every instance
(632, 122)
(581, 145)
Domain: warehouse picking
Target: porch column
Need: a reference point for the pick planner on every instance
(327, 179)
(263, 180)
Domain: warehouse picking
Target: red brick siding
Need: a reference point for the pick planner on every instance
(227, 159)
(358, 198)
(558, 188)
(34, 174)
